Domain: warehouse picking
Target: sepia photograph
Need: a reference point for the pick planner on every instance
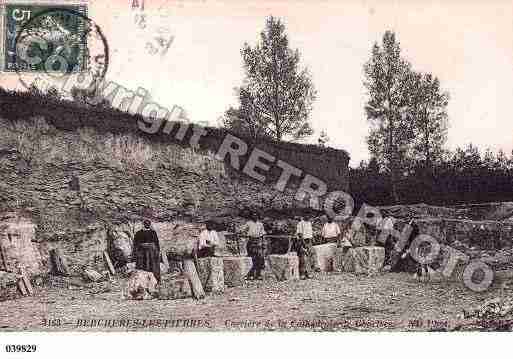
(255, 166)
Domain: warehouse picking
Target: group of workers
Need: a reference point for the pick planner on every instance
(147, 253)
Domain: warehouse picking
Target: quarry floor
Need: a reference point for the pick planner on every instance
(329, 302)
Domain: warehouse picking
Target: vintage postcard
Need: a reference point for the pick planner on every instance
(235, 166)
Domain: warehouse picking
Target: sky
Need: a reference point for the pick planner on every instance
(468, 45)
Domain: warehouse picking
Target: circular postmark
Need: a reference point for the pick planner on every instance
(60, 48)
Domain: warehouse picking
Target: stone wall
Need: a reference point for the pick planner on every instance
(17, 251)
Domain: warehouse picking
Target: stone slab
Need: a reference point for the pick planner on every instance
(373, 257)
(284, 266)
(360, 260)
(174, 287)
(211, 273)
(339, 260)
(141, 285)
(235, 270)
(323, 256)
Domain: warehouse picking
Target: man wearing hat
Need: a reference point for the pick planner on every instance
(147, 250)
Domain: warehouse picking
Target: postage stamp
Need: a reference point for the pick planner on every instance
(42, 37)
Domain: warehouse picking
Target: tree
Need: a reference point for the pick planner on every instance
(277, 95)
(323, 138)
(387, 79)
(243, 123)
(428, 111)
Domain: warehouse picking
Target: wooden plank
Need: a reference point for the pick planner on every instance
(190, 271)
(21, 287)
(165, 261)
(2, 256)
(26, 282)
(108, 263)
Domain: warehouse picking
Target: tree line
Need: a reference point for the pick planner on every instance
(465, 175)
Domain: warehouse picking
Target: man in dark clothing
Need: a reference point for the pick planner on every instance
(147, 250)
(256, 246)
(403, 261)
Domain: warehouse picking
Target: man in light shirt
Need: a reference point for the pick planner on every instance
(207, 241)
(254, 230)
(304, 233)
(331, 233)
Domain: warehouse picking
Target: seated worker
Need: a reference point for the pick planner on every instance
(207, 241)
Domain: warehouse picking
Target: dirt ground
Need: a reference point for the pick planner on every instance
(392, 301)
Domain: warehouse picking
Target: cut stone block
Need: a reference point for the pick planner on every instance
(174, 287)
(17, 250)
(359, 237)
(342, 262)
(324, 254)
(350, 261)
(373, 258)
(142, 285)
(284, 266)
(211, 273)
(221, 249)
(235, 270)
(361, 260)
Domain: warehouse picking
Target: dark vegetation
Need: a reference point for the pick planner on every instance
(463, 176)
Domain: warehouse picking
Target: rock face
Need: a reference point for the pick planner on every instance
(324, 254)
(81, 248)
(17, 250)
(211, 273)
(235, 270)
(284, 266)
(174, 287)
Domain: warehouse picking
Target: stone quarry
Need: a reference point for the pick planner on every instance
(82, 252)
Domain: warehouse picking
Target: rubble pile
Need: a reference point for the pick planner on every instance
(495, 314)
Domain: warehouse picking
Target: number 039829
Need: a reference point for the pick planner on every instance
(20, 348)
